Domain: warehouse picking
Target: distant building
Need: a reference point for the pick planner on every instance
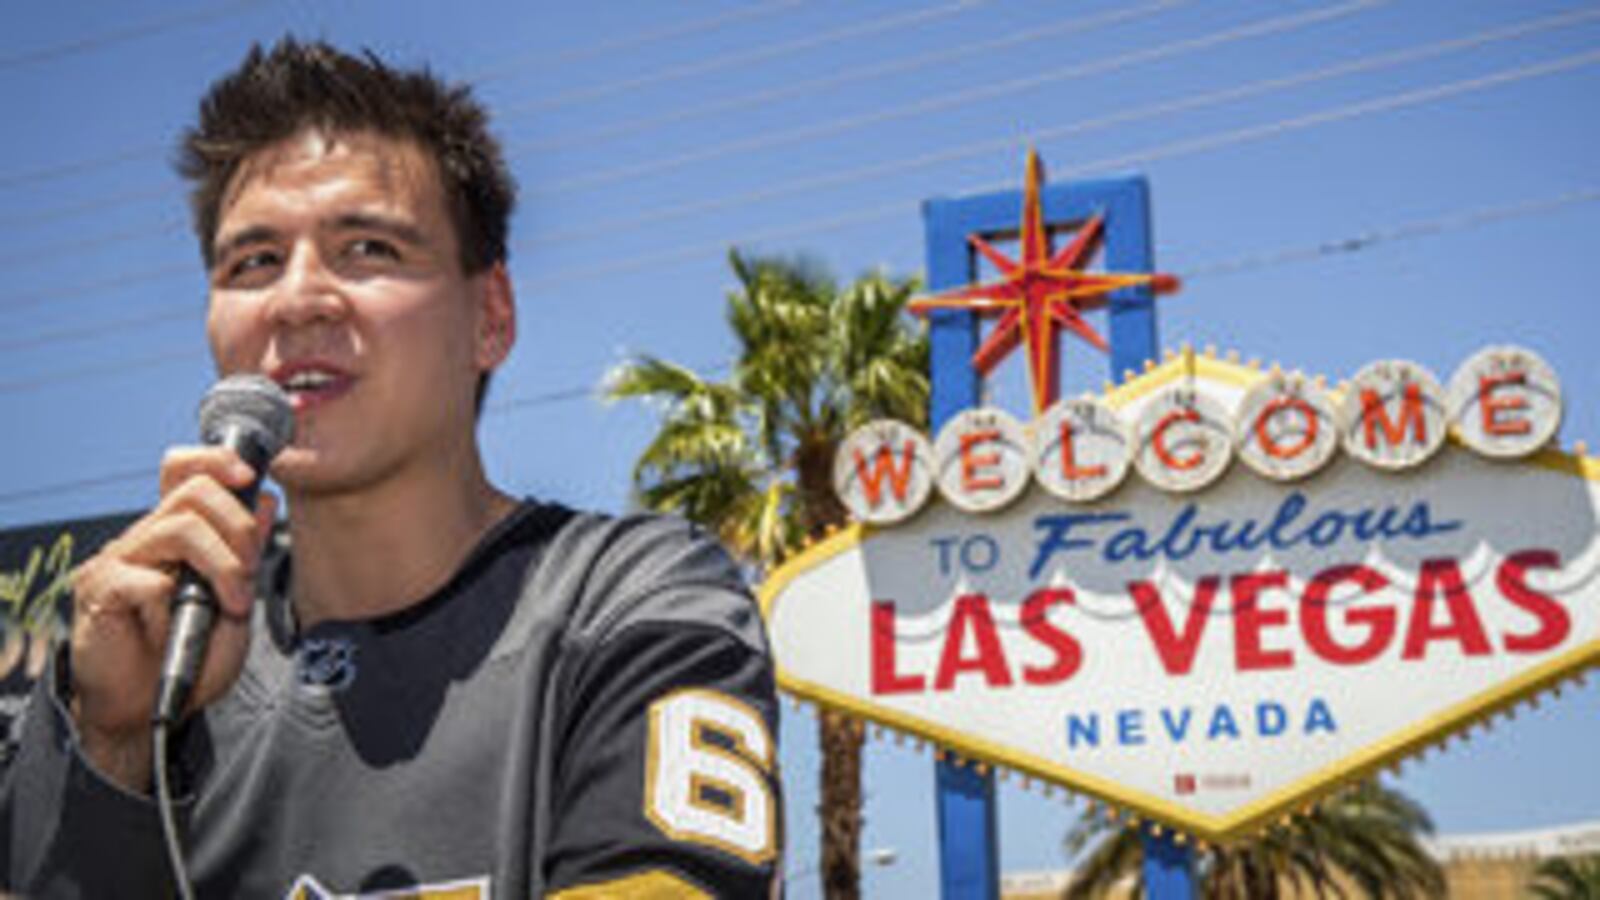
(1488, 866)
(1499, 864)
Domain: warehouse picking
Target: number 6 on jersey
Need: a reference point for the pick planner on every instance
(706, 774)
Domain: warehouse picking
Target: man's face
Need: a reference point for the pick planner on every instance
(338, 275)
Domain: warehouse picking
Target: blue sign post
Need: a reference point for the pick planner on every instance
(968, 852)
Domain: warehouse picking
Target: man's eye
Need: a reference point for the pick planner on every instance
(373, 248)
(251, 262)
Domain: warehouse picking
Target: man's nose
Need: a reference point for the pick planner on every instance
(308, 290)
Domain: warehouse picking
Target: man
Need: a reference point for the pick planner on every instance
(439, 691)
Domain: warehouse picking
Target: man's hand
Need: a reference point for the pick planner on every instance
(121, 596)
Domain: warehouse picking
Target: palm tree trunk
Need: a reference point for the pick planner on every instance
(841, 738)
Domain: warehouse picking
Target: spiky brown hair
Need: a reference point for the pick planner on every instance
(276, 94)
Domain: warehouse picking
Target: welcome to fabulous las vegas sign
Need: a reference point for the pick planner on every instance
(1214, 593)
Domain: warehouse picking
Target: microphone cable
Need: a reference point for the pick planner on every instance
(161, 733)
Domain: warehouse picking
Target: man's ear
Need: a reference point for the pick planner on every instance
(497, 320)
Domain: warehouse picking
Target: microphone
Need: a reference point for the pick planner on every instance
(250, 415)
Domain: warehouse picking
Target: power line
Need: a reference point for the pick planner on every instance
(77, 484)
(46, 252)
(837, 126)
(494, 409)
(889, 210)
(548, 60)
(98, 286)
(835, 179)
(565, 395)
(1456, 221)
(745, 57)
(1355, 110)
(1217, 140)
(895, 208)
(1367, 240)
(959, 98)
(132, 32)
(1058, 29)
(170, 313)
(740, 58)
(59, 171)
(98, 206)
(98, 370)
(1375, 62)
(170, 272)
(1404, 231)
(542, 59)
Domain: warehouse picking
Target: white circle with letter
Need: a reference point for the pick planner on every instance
(1184, 440)
(1505, 402)
(1286, 428)
(1081, 449)
(1393, 415)
(982, 455)
(883, 472)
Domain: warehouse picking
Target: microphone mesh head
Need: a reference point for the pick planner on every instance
(254, 403)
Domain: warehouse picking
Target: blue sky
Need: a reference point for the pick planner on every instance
(1337, 181)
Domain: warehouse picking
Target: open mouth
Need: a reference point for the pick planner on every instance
(309, 386)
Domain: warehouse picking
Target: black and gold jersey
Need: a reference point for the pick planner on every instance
(586, 709)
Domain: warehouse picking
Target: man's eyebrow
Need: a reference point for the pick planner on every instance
(255, 234)
(398, 228)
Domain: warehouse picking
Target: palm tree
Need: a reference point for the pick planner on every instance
(1567, 878)
(1365, 838)
(752, 456)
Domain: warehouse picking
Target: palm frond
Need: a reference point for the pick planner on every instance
(1567, 878)
(718, 500)
(1117, 857)
(881, 353)
(692, 445)
(649, 376)
(1367, 837)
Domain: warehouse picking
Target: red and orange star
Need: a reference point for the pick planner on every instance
(1040, 294)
